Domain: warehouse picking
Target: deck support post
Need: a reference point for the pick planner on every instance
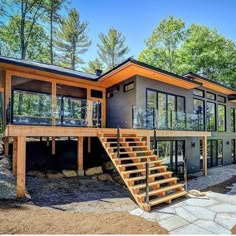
(148, 141)
(89, 144)
(53, 145)
(6, 146)
(21, 166)
(204, 150)
(14, 156)
(80, 152)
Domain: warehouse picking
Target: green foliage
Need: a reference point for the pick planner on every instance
(112, 49)
(72, 40)
(163, 43)
(93, 66)
(199, 48)
(37, 44)
(211, 53)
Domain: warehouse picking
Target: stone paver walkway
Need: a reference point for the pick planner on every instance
(213, 214)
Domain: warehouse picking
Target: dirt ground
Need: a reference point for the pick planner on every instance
(222, 187)
(30, 219)
(233, 230)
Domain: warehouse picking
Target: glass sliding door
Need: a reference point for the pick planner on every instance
(220, 152)
(172, 153)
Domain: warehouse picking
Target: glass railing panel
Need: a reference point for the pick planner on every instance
(31, 108)
(166, 120)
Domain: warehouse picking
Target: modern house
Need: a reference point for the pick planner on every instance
(132, 109)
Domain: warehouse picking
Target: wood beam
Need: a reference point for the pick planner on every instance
(204, 152)
(21, 167)
(14, 157)
(6, 146)
(53, 145)
(80, 152)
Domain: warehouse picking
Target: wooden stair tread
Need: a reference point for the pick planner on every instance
(162, 181)
(163, 189)
(126, 142)
(133, 158)
(138, 164)
(151, 175)
(131, 152)
(143, 170)
(167, 198)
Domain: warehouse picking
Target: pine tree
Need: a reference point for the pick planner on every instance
(53, 9)
(112, 49)
(72, 40)
(93, 66)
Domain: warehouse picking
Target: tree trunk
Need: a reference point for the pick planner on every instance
(22, 31)
(51, 32)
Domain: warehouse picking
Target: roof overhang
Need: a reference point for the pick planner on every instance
(210, 84)
(132, 67)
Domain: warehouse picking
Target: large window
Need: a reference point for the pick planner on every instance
(168, 106)
(211, 116)
(221, 117)
(198, 109)
(233, 119)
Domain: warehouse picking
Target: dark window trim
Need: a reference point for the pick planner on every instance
(203, 93)
(126, 85)
(221, 97)
(158, 91)
(211, 94)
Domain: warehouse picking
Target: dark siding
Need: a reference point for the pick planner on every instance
(119, 107)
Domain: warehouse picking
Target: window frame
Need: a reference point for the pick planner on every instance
(126, 86)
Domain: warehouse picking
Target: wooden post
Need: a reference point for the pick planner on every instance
(6, 146)
(53, 145)
(54, 103)
(21, 163)
(80, 153)
(89, 144)
(204, 150)
(14, 157)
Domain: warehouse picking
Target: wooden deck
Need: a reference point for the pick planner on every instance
(19, 134)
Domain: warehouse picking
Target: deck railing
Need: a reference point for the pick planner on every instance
(30, 108)
(166, 120)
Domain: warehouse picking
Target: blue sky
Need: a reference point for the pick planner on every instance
(136, 19)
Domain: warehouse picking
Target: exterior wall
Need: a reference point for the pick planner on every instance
(119, 107)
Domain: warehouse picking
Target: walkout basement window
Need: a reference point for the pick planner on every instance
(129, 86)
(211, 96)
(198, 92)
(221, 99)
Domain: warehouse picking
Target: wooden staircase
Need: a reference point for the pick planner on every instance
(131, 165)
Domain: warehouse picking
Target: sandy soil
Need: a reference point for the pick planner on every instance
(27, 219)
(222, 187)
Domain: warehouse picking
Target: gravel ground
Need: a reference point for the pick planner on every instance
(7, 180)
(214, 176)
